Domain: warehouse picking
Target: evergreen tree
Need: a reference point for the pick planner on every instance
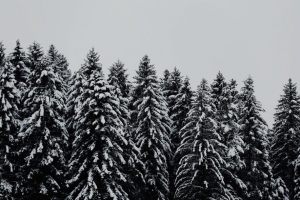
(43, 135)
(152, 131)
(97, 160)
(199, 175)
(59, 64)
(224, 98)
(18, 60)
(91, 64)
(119, 78)
(134, 166)
(181, 109)
(9, 125)
(2, 56)
(34, 56)
(73, 106)
(164, 82)
(257, 174)
(287, 136)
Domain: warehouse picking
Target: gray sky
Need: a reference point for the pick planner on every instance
(238, 38)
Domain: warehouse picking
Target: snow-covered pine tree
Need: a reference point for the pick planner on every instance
(134, 166)
(199, 175)
(287, 137)
(21, 71)
(97, 160)
(73, 106)
(119, 78)
(152, 131)
(65, 72)
(257, 174)
(91, 63)
(2, 56)
(224, 98)
(164, 82)
(181, 109)
(175, 83)
(9, 125)
(43, 135)
(60, 65)
(180, 113)
(172, 84)
(34, 56)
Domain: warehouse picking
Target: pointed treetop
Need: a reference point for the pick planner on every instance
(91, 63)
(17, 55)
(145, 70)
(2, 55)
(35, 52)
(52, 52)
(248, 84)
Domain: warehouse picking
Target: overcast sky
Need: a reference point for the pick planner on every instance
(239, 38)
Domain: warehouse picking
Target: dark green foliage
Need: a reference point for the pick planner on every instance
(95, 167)
(43, 136)
(199, 174)
(287, 136)
(152, 131)
(257, 174)
(9, 125)
(21, 71)
(91, 64)
(134, 166)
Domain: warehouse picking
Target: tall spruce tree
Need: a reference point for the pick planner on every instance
(257, 173)
(224, 98)
(91, 63)
(181, 109)
(199, 174)
(287, 137)
(34, 56)
(60, 65)
(134, 167)
(164, 82)
(2, 56)
(21, 71)
(43, 135)
(152, 131)
(73, 106)
(95, 167)
(9, 124)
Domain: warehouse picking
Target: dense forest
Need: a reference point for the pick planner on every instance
(84, 135)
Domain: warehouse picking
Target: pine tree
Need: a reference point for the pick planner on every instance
(73, 105)
(9, 125)
(18, 60)
(119, 78)
(60, 65)
(181, 109)
(287, 136)
(152, 131)
(43, 135)
(224, 98)
(257, 174)
(96, 163)
(2, 56)
(164, 82)
(134, 166)
(34, 56)
(91, 64)
(199, 175)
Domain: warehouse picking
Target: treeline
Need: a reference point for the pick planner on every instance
(85, 136)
